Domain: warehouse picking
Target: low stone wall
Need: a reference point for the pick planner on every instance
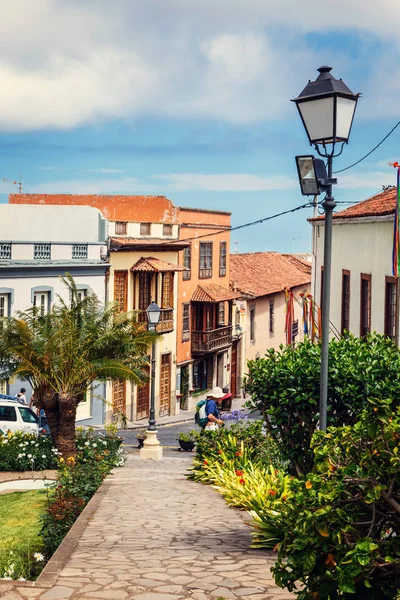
(13, 475)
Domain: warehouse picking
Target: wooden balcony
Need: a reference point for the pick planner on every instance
(166, 323)
(209, 341)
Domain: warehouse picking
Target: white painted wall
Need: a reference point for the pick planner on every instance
(24, 222)
(360, 246)
(133, 230)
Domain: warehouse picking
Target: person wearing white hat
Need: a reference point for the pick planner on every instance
(212, 411)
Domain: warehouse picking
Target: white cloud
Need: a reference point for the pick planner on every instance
(65, 64)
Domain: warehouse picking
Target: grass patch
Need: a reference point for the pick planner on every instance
(20, 525)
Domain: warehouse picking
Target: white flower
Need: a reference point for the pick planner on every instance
(86, 443)
(22, 579)
(38, 556)
(5, 441)
(29, 455)
(43, 456)
(94, 445)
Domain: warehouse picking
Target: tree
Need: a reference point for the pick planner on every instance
(63, 352)
(284, 386)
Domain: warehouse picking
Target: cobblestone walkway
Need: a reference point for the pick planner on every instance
(152, 538)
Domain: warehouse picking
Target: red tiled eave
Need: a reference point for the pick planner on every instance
(379, 205)
(155, 265)
(213, 293)
(262, 273)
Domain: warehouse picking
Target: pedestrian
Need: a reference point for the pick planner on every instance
(21, 396)
(212, 411)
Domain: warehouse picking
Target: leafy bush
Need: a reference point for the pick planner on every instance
(26, 451)
(78, 478)
(341, 525)
(242, 464)
(285, 387)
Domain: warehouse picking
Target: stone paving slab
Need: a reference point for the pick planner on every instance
(157, 536)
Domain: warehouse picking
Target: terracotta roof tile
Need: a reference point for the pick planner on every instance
(381, 204)
(262, 273)
(155, 264)
(213, 293)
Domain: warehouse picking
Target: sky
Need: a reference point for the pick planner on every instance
(191, 99)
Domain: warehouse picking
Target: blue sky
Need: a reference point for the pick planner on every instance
(190, 99)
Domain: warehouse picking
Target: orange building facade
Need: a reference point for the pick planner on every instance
(195, 246)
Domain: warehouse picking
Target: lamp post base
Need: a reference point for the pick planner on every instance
(151, 447)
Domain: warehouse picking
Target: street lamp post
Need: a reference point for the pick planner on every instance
(326, 107)
(151, 446)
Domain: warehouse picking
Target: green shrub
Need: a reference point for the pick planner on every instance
(285, 387)
(341, 525)
(21, 451)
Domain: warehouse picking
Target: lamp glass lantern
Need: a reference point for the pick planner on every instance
(153, 315)
(326, 107)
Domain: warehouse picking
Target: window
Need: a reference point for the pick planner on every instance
(185, 322)
(345, 326)
(222, 259)
(8, 413)
(79, 251)
(144, 291)
(187, 262)
(365, 305)
(205, 265)
(167, 290)
(42, 251)
(237, 318)
(391, 307)
(271, 316)
(167, 230)
(4, 305)
(221, 313)
(5, 251)
(41, 300)
(145, 228)
(121, 227)
(27, 415)
(253, 324)
(121, 290)
(81, 294)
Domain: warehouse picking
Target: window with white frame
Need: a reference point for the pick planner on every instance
(121, 227)
(82, 293)
(253, 324)
(145, 228)
(41, 300)
(4, 305)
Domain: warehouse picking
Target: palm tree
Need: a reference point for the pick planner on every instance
(61, 353)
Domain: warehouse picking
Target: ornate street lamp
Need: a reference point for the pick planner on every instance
(326, 107)
(151, 445)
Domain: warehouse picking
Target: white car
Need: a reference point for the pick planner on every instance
(17, 417)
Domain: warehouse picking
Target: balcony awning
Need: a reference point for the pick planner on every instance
(213, 293)
(155, 265)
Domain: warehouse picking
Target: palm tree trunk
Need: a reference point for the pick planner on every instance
(53, 421)
(66, 440)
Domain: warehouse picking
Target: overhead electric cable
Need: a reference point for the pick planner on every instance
(370, 152)
(243, 226)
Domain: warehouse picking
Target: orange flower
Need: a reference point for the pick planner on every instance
(238, 454)
(205, 462)
(241, 481)
(330, 561)
(239, 473)
(272, 492)
(308, 485)
(284, 498)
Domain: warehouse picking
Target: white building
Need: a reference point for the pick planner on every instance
(38, 246)
(364, 294)
(263, 278)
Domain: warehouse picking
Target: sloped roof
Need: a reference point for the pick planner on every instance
(213, 293)
(159, 244)
(155, 265)
(262, 273)
(380, 204)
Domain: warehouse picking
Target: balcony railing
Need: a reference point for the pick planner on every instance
(214, 339)
(166, 323)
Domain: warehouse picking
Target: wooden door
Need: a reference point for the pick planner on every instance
(119, 397)
(121, 290)
(234, 369)
(220, 370)
(165, 385)
(143, 399)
